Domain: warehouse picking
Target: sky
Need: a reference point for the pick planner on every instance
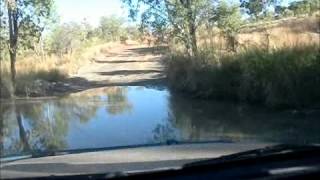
(92, 10)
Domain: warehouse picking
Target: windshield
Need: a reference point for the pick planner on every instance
(84, 76)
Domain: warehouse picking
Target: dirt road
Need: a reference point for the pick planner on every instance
(124, 65)
(121, 65)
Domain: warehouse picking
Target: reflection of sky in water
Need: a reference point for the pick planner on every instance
(149, 109)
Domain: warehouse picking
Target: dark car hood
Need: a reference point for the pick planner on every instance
(122, 160)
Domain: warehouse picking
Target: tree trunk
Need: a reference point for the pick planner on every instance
(2, 111)
(192, 30)
(13, 71)
(267, 40)
(13, 33)
(193, 38)
(187, 46)
(231, 39)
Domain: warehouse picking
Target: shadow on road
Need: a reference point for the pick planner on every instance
(121, 61)
(77, 84)
(128, 72)
(149, 50)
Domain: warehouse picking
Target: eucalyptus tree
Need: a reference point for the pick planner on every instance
(256, 8)
(178, 18)
(67, 38)
(110, 27)
(229, 20)
(304, 7)
(23, 22)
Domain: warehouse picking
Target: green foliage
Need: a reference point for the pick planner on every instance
(287, 13)
(24, 22)
(286, 77)
(4, 34)
(68, 38)
(33, 17)
(123, 39)
(111, 28)
(256, 8)
(177, 19)
(304, 7)
(72, 37)
(133, 33)
(228, 17)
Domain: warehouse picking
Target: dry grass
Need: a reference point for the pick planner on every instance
(282, 33)
(49, 67)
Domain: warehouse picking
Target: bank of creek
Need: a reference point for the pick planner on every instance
(121, 100)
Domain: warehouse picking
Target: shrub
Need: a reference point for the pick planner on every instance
(288, 77)
(123, 39)
(38, 82)
(285, 77)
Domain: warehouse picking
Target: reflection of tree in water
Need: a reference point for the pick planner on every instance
(49, 127)
(117, 101)
(165, 132)
(113, 98)
(43, 125)
(7, 128)
(12, 124)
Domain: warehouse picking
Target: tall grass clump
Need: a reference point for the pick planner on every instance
(286, 77)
